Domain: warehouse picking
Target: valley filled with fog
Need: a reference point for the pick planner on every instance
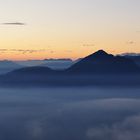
(89, 113)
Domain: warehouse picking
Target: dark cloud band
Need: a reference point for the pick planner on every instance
(14, 23)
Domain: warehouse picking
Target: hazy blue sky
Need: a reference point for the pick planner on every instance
(68, 28)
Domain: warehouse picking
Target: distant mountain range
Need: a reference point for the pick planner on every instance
(135, 58)
(97, 68)
(51, 63)
(58, 64)
(7, 66)
(62, 59)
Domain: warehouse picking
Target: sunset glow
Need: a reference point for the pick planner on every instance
(39, 29)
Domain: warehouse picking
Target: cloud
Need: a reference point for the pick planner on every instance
(3, 50)
(52, 51)
(131, 42)
(88, 45)
(130, 54)
(82, 114)
(14, 23)
(23, 51)
(35, 129)
(126, 130)
(27, 51)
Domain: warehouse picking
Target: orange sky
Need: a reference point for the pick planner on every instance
(68, 29)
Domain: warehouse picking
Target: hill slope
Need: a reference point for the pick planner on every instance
(101, 62)
(7, 66)
(96, 69)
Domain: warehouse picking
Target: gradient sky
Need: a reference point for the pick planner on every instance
(67, 28)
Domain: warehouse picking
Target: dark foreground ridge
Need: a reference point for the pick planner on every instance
(97, 69)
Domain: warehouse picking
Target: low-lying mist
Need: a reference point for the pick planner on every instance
(70, 114)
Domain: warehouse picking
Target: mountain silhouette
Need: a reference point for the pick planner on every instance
(34, 76)
(99, 68)
(33, 71)
(136, 59)
(7, 66)
(104, 63)
(99, 62)
(57, 64)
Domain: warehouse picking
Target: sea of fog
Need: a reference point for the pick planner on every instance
(70, 114)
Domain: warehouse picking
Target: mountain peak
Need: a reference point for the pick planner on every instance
(102, 62)
(100, 52)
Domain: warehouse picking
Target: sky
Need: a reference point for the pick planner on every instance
(39, 29)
